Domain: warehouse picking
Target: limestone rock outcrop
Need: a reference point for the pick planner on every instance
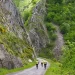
(7, 60)
(37, 30)
(13, 42)
(17, 44)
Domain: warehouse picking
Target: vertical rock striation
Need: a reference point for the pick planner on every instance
(11, 17)
(37, 30)
(13, 42)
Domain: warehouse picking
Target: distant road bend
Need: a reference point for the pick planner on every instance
(33, 70)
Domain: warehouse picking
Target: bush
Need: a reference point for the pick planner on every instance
(50, 16)
(68, 58)
(58, 19)
(2, 29)
(53, 37)
(46, 53)
(34, 1)
(26, 16)
(70, 36)
(50, 27)
(65, 28)
(16, 2)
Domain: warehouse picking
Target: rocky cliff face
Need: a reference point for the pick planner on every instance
(17, 44)
(11, 17)
(37, 30)
(7, 60)
(13, 43)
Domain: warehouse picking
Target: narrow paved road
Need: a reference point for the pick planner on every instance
(33, 70)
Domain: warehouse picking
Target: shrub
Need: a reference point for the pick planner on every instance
(70, 36)
(50, 16)
(68, 58)
(2, 29)
(16, 2)
(26, 16)
(53, 37)
(65, 28)
(50, 27)
(34, 1)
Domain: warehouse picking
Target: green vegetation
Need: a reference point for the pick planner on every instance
(2, 29)
(56, 69)
(68, 58)
(47, 52)
(61, 12)
(14, 45)
(25, 7)
(6, 71)
(16, 2)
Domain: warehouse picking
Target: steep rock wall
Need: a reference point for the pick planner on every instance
(12, 19)
(37, 30)
(7, 60)
(13, 42)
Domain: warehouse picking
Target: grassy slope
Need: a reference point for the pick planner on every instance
(56, 69)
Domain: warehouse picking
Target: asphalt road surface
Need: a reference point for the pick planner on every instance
(33, 70)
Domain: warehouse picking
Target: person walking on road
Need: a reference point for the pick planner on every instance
(37, 62)
(42, 64)
(45, 64)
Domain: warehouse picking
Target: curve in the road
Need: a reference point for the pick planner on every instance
(33, 70)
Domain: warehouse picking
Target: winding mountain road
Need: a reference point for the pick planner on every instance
(33, 70)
